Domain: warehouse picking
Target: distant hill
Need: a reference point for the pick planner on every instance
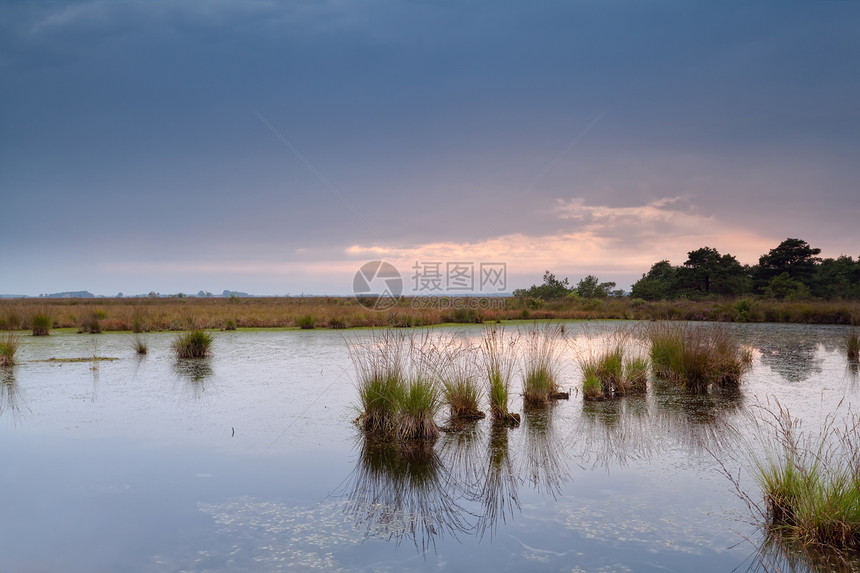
(69, 294)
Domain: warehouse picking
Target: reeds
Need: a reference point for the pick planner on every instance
(810, 482)
(541, 363)
(193, 344)
(8, 348)
(456, 371)
(41, 325)
(140, 346)
(852, 345)
(499, 359)
(609, 373)
(697, 356)
(396, 387)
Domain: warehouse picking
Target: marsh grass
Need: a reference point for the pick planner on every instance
(397, 391)
(809, 481)
(498, 354)
(592, 389)
(140, 346)
(193, 344)
(41, 324)
(636, 375)
(697, 356)
(456, 371)
(8, 348)
(852, 344)
(541, 362)
(613, 370)
(306, 322)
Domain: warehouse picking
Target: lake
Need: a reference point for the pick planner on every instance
(250, 461)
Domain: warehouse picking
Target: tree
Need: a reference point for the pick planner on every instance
(792, 256)
(591, 287)
(708, 272)
(551, 288)
(783, 286)
(657, 284)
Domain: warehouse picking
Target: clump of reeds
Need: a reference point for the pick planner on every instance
(499, 360)
(456, 371)
(697, 356)
(810, 482)
(635, 375)
(592, 389)
(540, 363)
(193, 344)
(91, 323)
(230, 324)
(417, 408)
(306, 322)
(396, 387)
(609, 373)
(853, 345)
(140, 345)
(8, 348)
(42, 325)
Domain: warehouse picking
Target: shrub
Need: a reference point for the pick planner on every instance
(41, 325)
(193, 344)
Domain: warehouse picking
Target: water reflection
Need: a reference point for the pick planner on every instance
(794, 358)
(544, 466)
(776, 554)
(699, 421)
(11, 402)
(195, 374)
(614, 432)
(402, 490)
(498, 494)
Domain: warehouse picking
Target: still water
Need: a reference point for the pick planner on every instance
(249, 461)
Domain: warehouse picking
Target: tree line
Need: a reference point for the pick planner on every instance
(791, 271)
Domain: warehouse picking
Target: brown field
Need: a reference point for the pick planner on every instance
(148, 314)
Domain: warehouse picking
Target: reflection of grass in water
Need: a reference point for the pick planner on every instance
(460, 451)
(399, 490)
(544, 466)
(194, 373)
(498, 494)
(10, 393)
(615, 432)
(700, 421)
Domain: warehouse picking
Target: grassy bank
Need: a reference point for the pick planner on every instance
(175, 314)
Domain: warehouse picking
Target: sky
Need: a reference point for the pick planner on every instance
(275, 147)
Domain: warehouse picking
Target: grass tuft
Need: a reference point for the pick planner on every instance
(42, 325)
(540, 363)
(853, 345)
(8, 348)
(499, 360)
(140, 345)
(306, 322)
(193, 344)
(698, 356)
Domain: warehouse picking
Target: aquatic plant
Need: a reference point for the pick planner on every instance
(230, 324)
(810, 482)
(853, 345)
(306, 322)
(41, 325)
(91, 323)
(140, 345)
(697, 356)
(193, 344)
(499, 360)
(456, 371)
(635, 379)
(592, 389)
(8, 348)
(540, 363)
(417, 408)
(610, 370)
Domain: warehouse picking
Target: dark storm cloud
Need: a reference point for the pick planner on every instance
(130, 129)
